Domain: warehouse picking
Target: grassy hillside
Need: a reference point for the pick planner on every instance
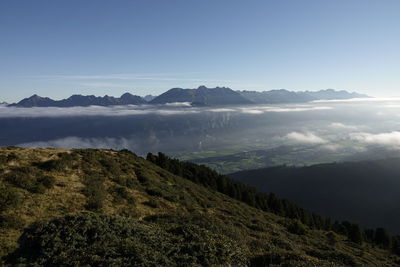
(102, 207)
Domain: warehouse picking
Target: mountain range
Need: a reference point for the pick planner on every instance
(285, 96)
(202, 96)
(80, 100)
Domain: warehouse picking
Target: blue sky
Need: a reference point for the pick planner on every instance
(58, 48)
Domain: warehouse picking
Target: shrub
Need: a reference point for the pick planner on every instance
(47, 181)
(3, 159)
(9, 198)
(94, 191)
(120, 194)
(296, 227)
(154, 192)
(12, 157)
(151, 203)
(332, 238)
(102, 240)
(30, 179)
(11, 221)
(142, 178)
(130, 183)
(65, 161)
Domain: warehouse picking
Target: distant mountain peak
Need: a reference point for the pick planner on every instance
(80, 100)
(202, 96)
(126, 95)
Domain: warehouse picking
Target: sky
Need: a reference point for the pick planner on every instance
(60, 48)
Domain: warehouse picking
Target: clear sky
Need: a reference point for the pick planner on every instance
(58, 48)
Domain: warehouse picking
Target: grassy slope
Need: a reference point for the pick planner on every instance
(154, 191)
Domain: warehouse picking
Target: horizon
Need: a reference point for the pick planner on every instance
(144, 95)
(102, 48)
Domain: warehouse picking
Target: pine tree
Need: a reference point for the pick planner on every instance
(382, 238)
(355, 233)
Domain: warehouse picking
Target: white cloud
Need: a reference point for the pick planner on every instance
(130, 110)
(372, 99)
(222, 110)
(339, 125)
(390, 139)
(179, 104)
(306, 138)
(77, 142)
(266, 108)
(331, 147)
(252, 111)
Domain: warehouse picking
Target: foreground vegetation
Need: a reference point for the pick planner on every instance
(102, 207)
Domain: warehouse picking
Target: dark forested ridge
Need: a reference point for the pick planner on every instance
(105, 207)
(269, 202)
(367, 192)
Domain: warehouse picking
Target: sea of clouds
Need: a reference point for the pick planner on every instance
(330, 125)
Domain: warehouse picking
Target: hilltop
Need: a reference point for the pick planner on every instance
(106, 207)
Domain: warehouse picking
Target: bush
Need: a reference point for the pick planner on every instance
(130, 183)
(9, 198)
(151, 203)
(296, 227)
(12, 157)
(3, 159)
(30, 179)
(154, 192)
(47, 181)
(102, 240)
(65, 161)
(120, 194)
(332, 238)
(11, 221)
(94, 191)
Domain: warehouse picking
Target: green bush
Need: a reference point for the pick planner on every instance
(65, 161)
(94, 191)
(102, 240)
(154, 192)
(130, 183)
(30, 179)
(151, 203)
(3, 159)
(9, 198)
(332, 238)
(120, 194)
(47, 181)
(296, 227)
(12, 157)
(11, 221)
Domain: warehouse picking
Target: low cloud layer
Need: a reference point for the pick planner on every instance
(339, 125)
(131, 110)
(305, 138)
(77, 142)
(390, 139)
